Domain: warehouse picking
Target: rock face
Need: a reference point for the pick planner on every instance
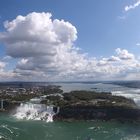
(87, 105)
(9, 105)
(82, 112)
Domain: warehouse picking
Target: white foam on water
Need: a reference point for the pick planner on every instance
(131, 94)
(35, 100)
(30, 111)
(3, 137)
(7, 128)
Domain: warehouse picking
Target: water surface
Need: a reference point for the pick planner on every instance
(13, 129)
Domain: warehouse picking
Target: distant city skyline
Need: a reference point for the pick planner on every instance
(63, 40)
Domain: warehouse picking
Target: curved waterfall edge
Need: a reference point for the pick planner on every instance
(31, 111)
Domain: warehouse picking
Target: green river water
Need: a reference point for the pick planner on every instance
(13, 129)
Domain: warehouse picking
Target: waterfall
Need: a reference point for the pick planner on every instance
(31, 111)
(2, 104)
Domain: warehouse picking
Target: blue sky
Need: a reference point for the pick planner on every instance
(100, 30)
(102, 26)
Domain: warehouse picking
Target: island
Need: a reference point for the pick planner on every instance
(74, 105)
(91, 105)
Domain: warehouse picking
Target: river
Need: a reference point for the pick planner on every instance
(12, 128)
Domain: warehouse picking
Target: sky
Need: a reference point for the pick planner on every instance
(88, 40)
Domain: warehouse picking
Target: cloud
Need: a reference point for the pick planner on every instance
(6, 58)
(124, 54)
(2, 65)
(121, 17)
(37, 34)
(114, 58)
(133, 6)
(137, 44)
(45, 51)
(5, 75)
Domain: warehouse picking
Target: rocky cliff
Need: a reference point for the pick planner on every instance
(87, 105)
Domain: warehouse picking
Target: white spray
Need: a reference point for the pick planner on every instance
(31, 111)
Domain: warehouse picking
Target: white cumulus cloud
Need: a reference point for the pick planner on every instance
(37, 34)
(124, 54)
(44, 48)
